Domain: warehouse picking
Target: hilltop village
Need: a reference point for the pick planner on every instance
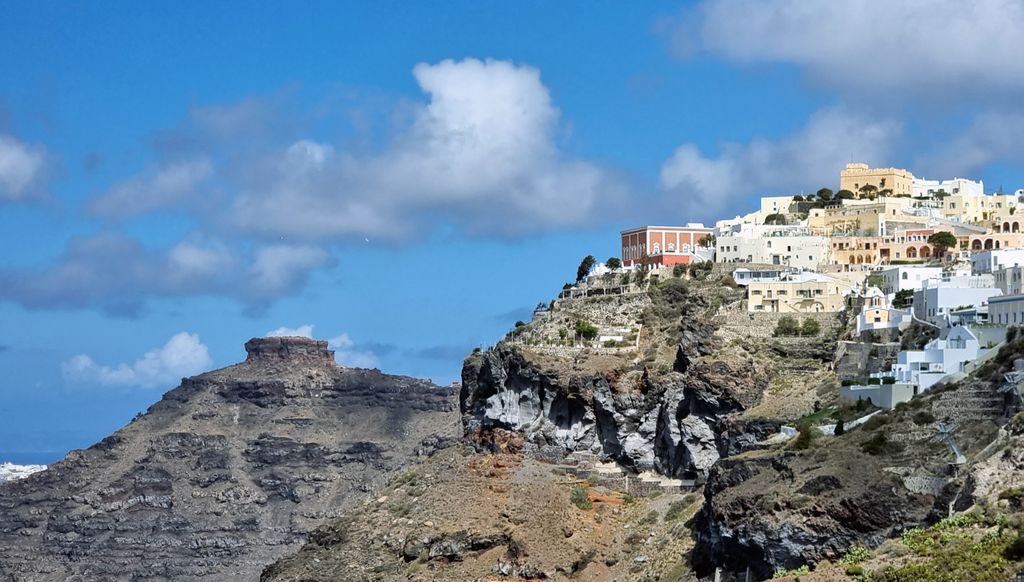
(888, 249)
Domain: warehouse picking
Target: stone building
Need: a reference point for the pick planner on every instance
(855, 176)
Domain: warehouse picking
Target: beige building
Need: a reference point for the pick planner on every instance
(862, 217)
(855, 176)
(801, 293)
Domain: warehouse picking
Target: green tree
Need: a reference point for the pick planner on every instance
(798, 198)
(613, 263)
(643, 267)
(586, 330)
(776, 218)
(810, 327)
(787, 326)
(825, 194)
(869, 191)
(679, 270)
(586, 265)
(942, 241)
(903, 298)
(840, 427)
(845, 195)
(625, 279)
(708, 241)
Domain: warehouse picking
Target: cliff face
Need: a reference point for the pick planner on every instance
(667, 416)
(225, 474)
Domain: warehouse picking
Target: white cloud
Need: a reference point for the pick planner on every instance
(708, 187)
(22, 169)
(346, 352)
(276, 269)
(118, 274)
(347, 355)
(157, 187)
(305, 330)
(183, 355)
(482, 153)
(922, 49)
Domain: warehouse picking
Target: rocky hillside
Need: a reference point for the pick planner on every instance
(225, 474)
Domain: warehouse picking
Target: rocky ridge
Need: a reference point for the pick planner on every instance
(225, 473)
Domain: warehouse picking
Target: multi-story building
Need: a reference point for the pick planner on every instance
(1009, 280)
(667, 245)
(916, 371)
(938, 297)
(992, 261)
(1006, 310)
(773, 245)
(865, 217)
(955, 187)
(906, 277)
(895, 180)
(798, 293)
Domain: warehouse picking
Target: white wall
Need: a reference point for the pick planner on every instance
(800, 252)
(958, 186)
(932, 303)
(910, 277)
(884, 396)
(993, 260)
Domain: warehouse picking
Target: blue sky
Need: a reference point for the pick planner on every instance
(411, 178)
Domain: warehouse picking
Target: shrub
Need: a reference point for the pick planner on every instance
(586, 330)
(787, 326)
(679, 270)
(888, 380)
(628, 499)
(805, 437)
(1014, 551)
(923, 417)
(878, 444)
(613, 263)
(579, 498)
(855, 570)
(625, 279)
(675, 510)
(810, 328)
(840, 428)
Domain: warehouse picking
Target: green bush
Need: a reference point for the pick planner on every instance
(579, 498)
(586, 330)
(679, 270)
(787, 326)
(675, 510)
(810, 328)
(878, 444)
(805, 437)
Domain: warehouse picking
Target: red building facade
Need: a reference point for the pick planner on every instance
(663, 245)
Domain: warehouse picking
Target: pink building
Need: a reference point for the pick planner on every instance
(664, 245)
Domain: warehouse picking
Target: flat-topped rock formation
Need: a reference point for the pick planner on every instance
(225, 474)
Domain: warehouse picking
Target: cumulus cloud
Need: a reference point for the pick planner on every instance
(305, 330)
(345, 350)
(118, 274)
(161, 186)
(923, 49)
(22, 169)
(708, 186)
(183, 355)
(481, 153)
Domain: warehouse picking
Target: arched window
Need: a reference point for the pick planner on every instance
(671, 247)
(904, 276)
(657, 248)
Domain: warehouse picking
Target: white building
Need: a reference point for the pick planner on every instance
(919, 369)
(937, 297)
(789, 246)
(956, 186)
(907, 277)
(993, 260)
(876, 314)
(1006, 310)
(1010, 280)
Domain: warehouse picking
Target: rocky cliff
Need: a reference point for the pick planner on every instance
(225, 473)
(647, 412)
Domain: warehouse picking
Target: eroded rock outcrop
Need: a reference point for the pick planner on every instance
(671, 421)
(225, 474)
